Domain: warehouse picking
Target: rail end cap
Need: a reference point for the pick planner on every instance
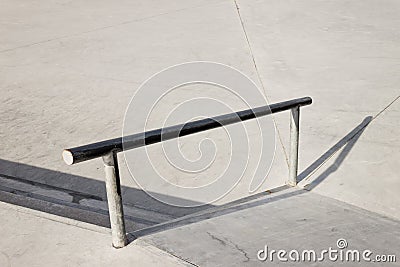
(68, 157)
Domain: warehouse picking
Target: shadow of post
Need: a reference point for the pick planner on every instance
(347, 142)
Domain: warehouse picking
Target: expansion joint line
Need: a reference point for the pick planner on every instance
(259, 76)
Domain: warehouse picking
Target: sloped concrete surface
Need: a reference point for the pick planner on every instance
(290, 220)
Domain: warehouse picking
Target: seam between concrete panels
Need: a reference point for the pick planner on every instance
(259, 78)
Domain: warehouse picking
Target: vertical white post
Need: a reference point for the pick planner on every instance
(114, 199)
(294, 145)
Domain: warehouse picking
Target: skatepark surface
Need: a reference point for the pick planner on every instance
(68, 70)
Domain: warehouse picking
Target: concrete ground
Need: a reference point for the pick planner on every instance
(69, 69)
(31, 238)
(287, 220)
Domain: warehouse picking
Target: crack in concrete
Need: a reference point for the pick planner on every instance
(259, 78)
(223, 242)
(241, 250)
(385, 108)
(339, 148)
(102, 28)
(216, 238)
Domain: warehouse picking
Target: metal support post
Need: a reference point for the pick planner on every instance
(294, 145)
(114, 199)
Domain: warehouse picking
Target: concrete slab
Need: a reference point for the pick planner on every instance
(289, 220)
(67, 71)
(28, 24)
(346, 56)
(72, 87)
(30, 239)
(365, 171)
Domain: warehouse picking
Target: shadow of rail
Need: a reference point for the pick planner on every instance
(347, 143)
(182, 216)
(65, 200)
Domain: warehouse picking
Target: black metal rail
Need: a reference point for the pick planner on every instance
(99, 149)
(108, 151)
